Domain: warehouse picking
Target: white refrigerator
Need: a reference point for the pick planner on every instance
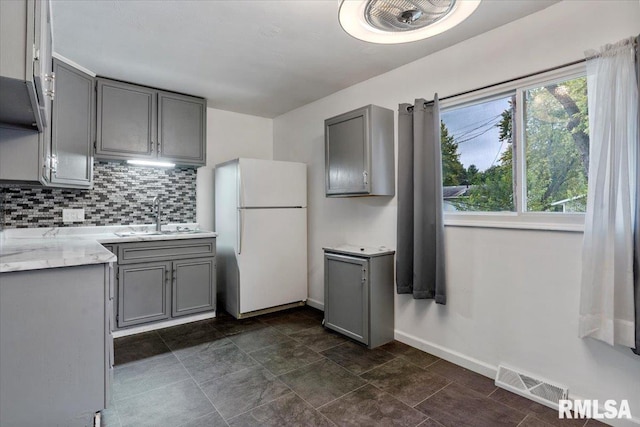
(261, 221)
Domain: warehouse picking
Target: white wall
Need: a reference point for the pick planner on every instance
(229, 135)
(512, 294)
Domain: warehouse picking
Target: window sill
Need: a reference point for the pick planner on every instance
(544, 222)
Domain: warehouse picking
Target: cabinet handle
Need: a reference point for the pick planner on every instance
(364, 275)
(365, 177)
(54, 164)
(152, 143)
(158, 148)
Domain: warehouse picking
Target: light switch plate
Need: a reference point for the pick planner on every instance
(72, 215)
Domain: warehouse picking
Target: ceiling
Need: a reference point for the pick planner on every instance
(255, 57)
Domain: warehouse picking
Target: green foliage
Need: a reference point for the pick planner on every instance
(453, 172)
(556, 148)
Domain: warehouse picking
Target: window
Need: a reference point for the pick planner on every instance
(521, 149)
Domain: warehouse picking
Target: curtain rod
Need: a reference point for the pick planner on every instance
(635, 42)
(568, 64)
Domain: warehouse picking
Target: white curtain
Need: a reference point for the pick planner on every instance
(607, 292)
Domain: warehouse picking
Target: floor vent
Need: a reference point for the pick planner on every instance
(536, 389)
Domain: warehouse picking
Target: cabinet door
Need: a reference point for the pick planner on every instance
(182, 122)
(126, 121)
(72, 127)
(42, 77)
(193, 286)
(347, 154)
(143, 293)
(346, 297)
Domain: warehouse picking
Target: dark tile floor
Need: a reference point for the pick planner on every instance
(285, 369)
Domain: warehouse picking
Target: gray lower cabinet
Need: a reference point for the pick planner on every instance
(143, 293)
(359, 293)
(55, 346)
(192, 291)
(162, 279)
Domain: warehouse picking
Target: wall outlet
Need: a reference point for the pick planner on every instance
(72, 215)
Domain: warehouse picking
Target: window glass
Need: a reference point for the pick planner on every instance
(556, 133)
(477, 159)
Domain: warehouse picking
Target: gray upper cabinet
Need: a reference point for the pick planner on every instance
(26, 82)
(137, 122)
(182, 124)
(72, 127)
(61, 155)
(359, 155)
(126, 121)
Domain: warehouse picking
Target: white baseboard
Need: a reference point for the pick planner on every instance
(448, 355)
(315, 304)
(160, 325)
(488, 370)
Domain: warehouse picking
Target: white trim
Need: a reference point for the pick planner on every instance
(315, 304)
(73, 64)
(544, 222)
(161, 325)
(449, 355)
(485, 369)
(521, 219)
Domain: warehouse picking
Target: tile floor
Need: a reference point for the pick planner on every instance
(285, 369)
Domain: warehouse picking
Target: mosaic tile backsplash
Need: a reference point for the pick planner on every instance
(121, 194)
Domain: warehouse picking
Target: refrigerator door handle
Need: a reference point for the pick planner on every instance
(240, 213)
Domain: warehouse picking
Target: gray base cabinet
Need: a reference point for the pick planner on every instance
(159, 280)
(143, 293)
(55, 346)
(359, 294)
(359, 154)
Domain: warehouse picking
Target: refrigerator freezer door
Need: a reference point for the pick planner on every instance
(273, 257)
(269, 183)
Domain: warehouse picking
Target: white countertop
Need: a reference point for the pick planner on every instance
(37, 248)
(366, 251)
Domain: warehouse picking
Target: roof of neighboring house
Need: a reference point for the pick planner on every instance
(454, 191)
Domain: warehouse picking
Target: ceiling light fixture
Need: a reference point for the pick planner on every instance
(151, 163)
(402, 21)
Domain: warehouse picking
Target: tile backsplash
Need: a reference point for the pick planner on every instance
(121, 194)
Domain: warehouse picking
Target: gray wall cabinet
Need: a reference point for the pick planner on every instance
(182, 124)
(72, 128)
(158, 280)
(26, 81)
(138, 122)
(55, 347)
(358, 299)
(359, 154)
(61, 155)
(126, 121)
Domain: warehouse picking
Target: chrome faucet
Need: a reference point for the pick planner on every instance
(158, 211)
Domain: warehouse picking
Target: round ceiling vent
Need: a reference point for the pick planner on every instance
(400, 21)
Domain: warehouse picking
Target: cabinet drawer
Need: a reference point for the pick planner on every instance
(129, 253)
